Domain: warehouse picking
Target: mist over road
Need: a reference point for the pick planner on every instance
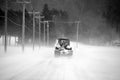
(87, 63)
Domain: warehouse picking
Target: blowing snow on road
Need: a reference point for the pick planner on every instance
(86, 63)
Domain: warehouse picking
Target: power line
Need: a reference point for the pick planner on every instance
(19, 24)
(12, 13)
(56, 21)
(23, 21)
(27, 23)
(14, 22)
(62, 21)
(18, 29)
(28, 29)
(11, 16)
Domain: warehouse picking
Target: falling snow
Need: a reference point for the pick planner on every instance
(87, 63)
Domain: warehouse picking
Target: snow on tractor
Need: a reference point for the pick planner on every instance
(62, 47)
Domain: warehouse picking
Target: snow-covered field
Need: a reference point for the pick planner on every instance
(87, 63)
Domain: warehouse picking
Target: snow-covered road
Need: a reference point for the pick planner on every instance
(87, 63)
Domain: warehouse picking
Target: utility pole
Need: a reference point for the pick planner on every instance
(40, 28)
(23, 27)
(39, 20)
(34, 16)
(47, 33)
(33, 29)
(44, 33)
(23, 21)
(77, 34)
(6, 11)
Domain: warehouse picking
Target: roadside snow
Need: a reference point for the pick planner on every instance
(87, 63)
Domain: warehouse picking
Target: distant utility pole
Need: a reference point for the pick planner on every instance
(47, 33)
(34, 16)
(40, 28)
(39, 18)
(33, 29)
(44, 33)
(77, 34)
(6, 11)
(23, 21)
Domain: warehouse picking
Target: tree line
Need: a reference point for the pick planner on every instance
(112, 14)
